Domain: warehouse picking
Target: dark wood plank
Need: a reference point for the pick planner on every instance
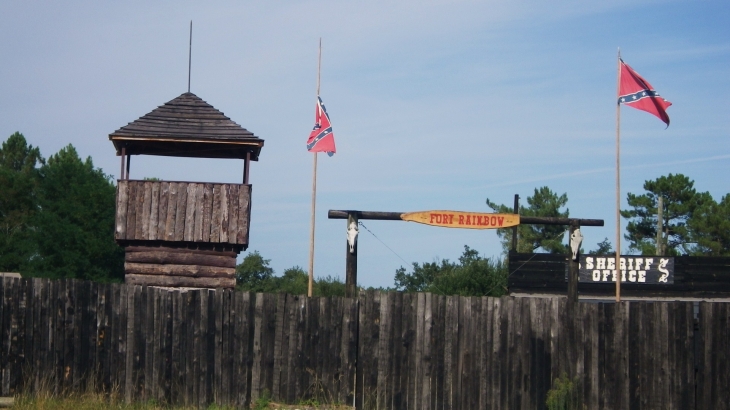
(180, 258)
(181, 211)
(199, 210)
(170, 220)
(207, 212)
(120, 230)
(154, 210)
(180, 281)
(141, 221)
(162, 207)
(244, 214)
(190, 209)
(197, 271)
(223, 221)
(233, 211)
(215, 228)
(131, 212)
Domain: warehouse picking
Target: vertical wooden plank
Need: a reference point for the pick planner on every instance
(162, 209)
(120, 230)
(180, 211)
(226, 346)
(148, 335)
(191, 332)
(199, 211)
(207, 212)
(244, 213)
(495, 355)
(177, 366)
(6, 334)
(289, 349)
(233, 210)
(217, 348)
(207, 331)
(170, 219)
(635, 338)
(687, 344)
(131, 210)
(223, 221)
(381, 352)
(257, 369)
(146, 209)
(276, 392)
(154, 209)
(166, 372)
(189, 230)
(141, 221)
(215, 229)
(353, 327)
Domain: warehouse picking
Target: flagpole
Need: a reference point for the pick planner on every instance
(618, 180)
(314, 191)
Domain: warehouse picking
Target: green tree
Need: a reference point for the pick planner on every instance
(543, 203)
(19, 180)
(710, 228)
(74, 229)
(680, 201)
(473, 275)
(604, 248)
(254, 273)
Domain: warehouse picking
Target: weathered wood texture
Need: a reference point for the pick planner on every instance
(694, 276)
(388, 350)
(182, 212)
(179, 267)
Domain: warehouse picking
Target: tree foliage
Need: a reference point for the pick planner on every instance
(18, 188)
(74, 232)
(473, 275)
(680, 201)
(255, 275)
(56, 217)
(544, 203)
(710, 228)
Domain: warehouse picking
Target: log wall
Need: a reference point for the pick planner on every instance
(385, 350)
(182, 212)
(179, 267)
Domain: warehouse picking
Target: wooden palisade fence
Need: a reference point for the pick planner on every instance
(389, 350)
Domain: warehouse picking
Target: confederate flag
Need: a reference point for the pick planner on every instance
(636, 92)
(321, 138)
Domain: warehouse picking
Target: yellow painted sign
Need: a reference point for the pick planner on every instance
(458, 219)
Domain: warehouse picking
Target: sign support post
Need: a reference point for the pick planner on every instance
(351, 259)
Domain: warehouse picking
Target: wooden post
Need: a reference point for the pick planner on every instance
(351, 261)
(129, 160)
(246, 162)
(618, 181)
(124, 153)
(514, 228)
(572, 271)
(660, 227)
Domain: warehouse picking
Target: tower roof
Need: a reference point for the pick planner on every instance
(186, 126)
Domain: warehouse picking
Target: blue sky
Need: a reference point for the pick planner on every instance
(434, 105)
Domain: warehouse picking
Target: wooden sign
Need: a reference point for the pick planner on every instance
(458, 219)
(635, 269)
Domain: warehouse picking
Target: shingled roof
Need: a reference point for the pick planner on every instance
(186, 126)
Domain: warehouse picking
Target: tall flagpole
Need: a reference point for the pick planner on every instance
(618, 180)
(314, 192)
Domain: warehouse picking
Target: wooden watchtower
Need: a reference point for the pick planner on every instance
(183, 234)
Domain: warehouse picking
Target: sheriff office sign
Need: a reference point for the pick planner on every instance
(458, 219)
(655, 270)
